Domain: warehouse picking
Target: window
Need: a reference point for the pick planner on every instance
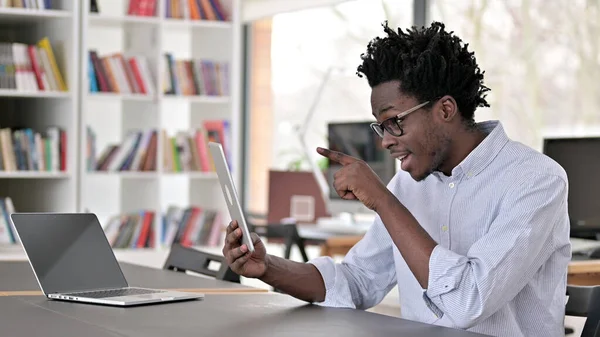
(305, 46)
(540, 60)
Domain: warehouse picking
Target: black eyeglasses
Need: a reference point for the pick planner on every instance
(392, 125)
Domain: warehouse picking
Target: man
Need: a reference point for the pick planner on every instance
(474, 229)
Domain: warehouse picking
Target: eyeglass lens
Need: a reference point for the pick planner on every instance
(390, 125)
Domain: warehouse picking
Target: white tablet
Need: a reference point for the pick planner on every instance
(229, 192)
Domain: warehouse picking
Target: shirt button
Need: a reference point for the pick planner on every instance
(470, 174)
(451, 185)
(444, 228)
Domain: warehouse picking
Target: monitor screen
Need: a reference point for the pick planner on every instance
(357, 139)
(580, 157)
(68, 252)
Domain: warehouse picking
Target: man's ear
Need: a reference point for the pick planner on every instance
(448, 110)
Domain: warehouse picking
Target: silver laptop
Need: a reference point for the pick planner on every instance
(73, 261)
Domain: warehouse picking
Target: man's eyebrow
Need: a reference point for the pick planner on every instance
(385, 108)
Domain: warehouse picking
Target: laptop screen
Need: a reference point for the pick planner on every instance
(68, 252)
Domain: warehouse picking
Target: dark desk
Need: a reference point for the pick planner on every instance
(244, 315)
(18, 276)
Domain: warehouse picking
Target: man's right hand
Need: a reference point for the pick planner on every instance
(239, 259)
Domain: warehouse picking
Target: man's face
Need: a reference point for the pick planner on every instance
(424, 144)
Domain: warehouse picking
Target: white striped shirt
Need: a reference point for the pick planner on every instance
(502, 231)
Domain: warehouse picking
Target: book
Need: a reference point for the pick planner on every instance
(119, 73)
(137, 152)
(94, 6)
(211, 10)
(25, 67)
(26, 149)
(194, 77)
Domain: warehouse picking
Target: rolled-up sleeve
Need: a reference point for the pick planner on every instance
(365, 275)
(469, 288)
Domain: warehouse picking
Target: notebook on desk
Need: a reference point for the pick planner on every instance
(73, 261)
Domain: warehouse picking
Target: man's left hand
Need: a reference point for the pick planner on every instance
(356, 180)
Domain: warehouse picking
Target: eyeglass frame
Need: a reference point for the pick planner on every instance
(396, 120)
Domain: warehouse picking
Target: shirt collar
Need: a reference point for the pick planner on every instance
(483, 154)
(486, 151)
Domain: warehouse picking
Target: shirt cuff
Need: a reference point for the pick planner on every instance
(326, 266)
(434, 308)
(445, 271)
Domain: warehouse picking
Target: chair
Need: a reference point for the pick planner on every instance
(584, 301)
(286, 232)
(277, 233)
(184, 259)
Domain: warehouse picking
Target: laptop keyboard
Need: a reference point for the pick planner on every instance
(116, 292)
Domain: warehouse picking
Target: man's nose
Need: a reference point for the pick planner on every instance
(388, 140)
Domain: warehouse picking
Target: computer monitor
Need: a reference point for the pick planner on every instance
(357, 139)
(580, 157)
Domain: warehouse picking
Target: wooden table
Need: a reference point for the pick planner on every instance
(331, 242)
(339, 245)
(584, 272)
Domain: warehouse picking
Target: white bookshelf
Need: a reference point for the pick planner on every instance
(112, 115)
(108, 96)
(27, 15)
(44, 191)
(35, 94)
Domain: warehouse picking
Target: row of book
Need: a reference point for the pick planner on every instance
(136, 153)
(25, 149)
(192, 226)
(119, 74)
(190, 77)
(196, 10)
(28, 4)
(184, 152)
(131, 230)
(7, 229)
(188, 150)
(188, 226)
(25, 67)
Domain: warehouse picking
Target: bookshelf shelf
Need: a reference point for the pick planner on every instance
(198, 99)
(112, 20)
(184, 23)
(34, 94)
(108, 96)
(125, 174)
(192, 175)
(28, 15)
(152, 175)
(34, 175)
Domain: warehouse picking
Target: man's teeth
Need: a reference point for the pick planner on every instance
(404, 156)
